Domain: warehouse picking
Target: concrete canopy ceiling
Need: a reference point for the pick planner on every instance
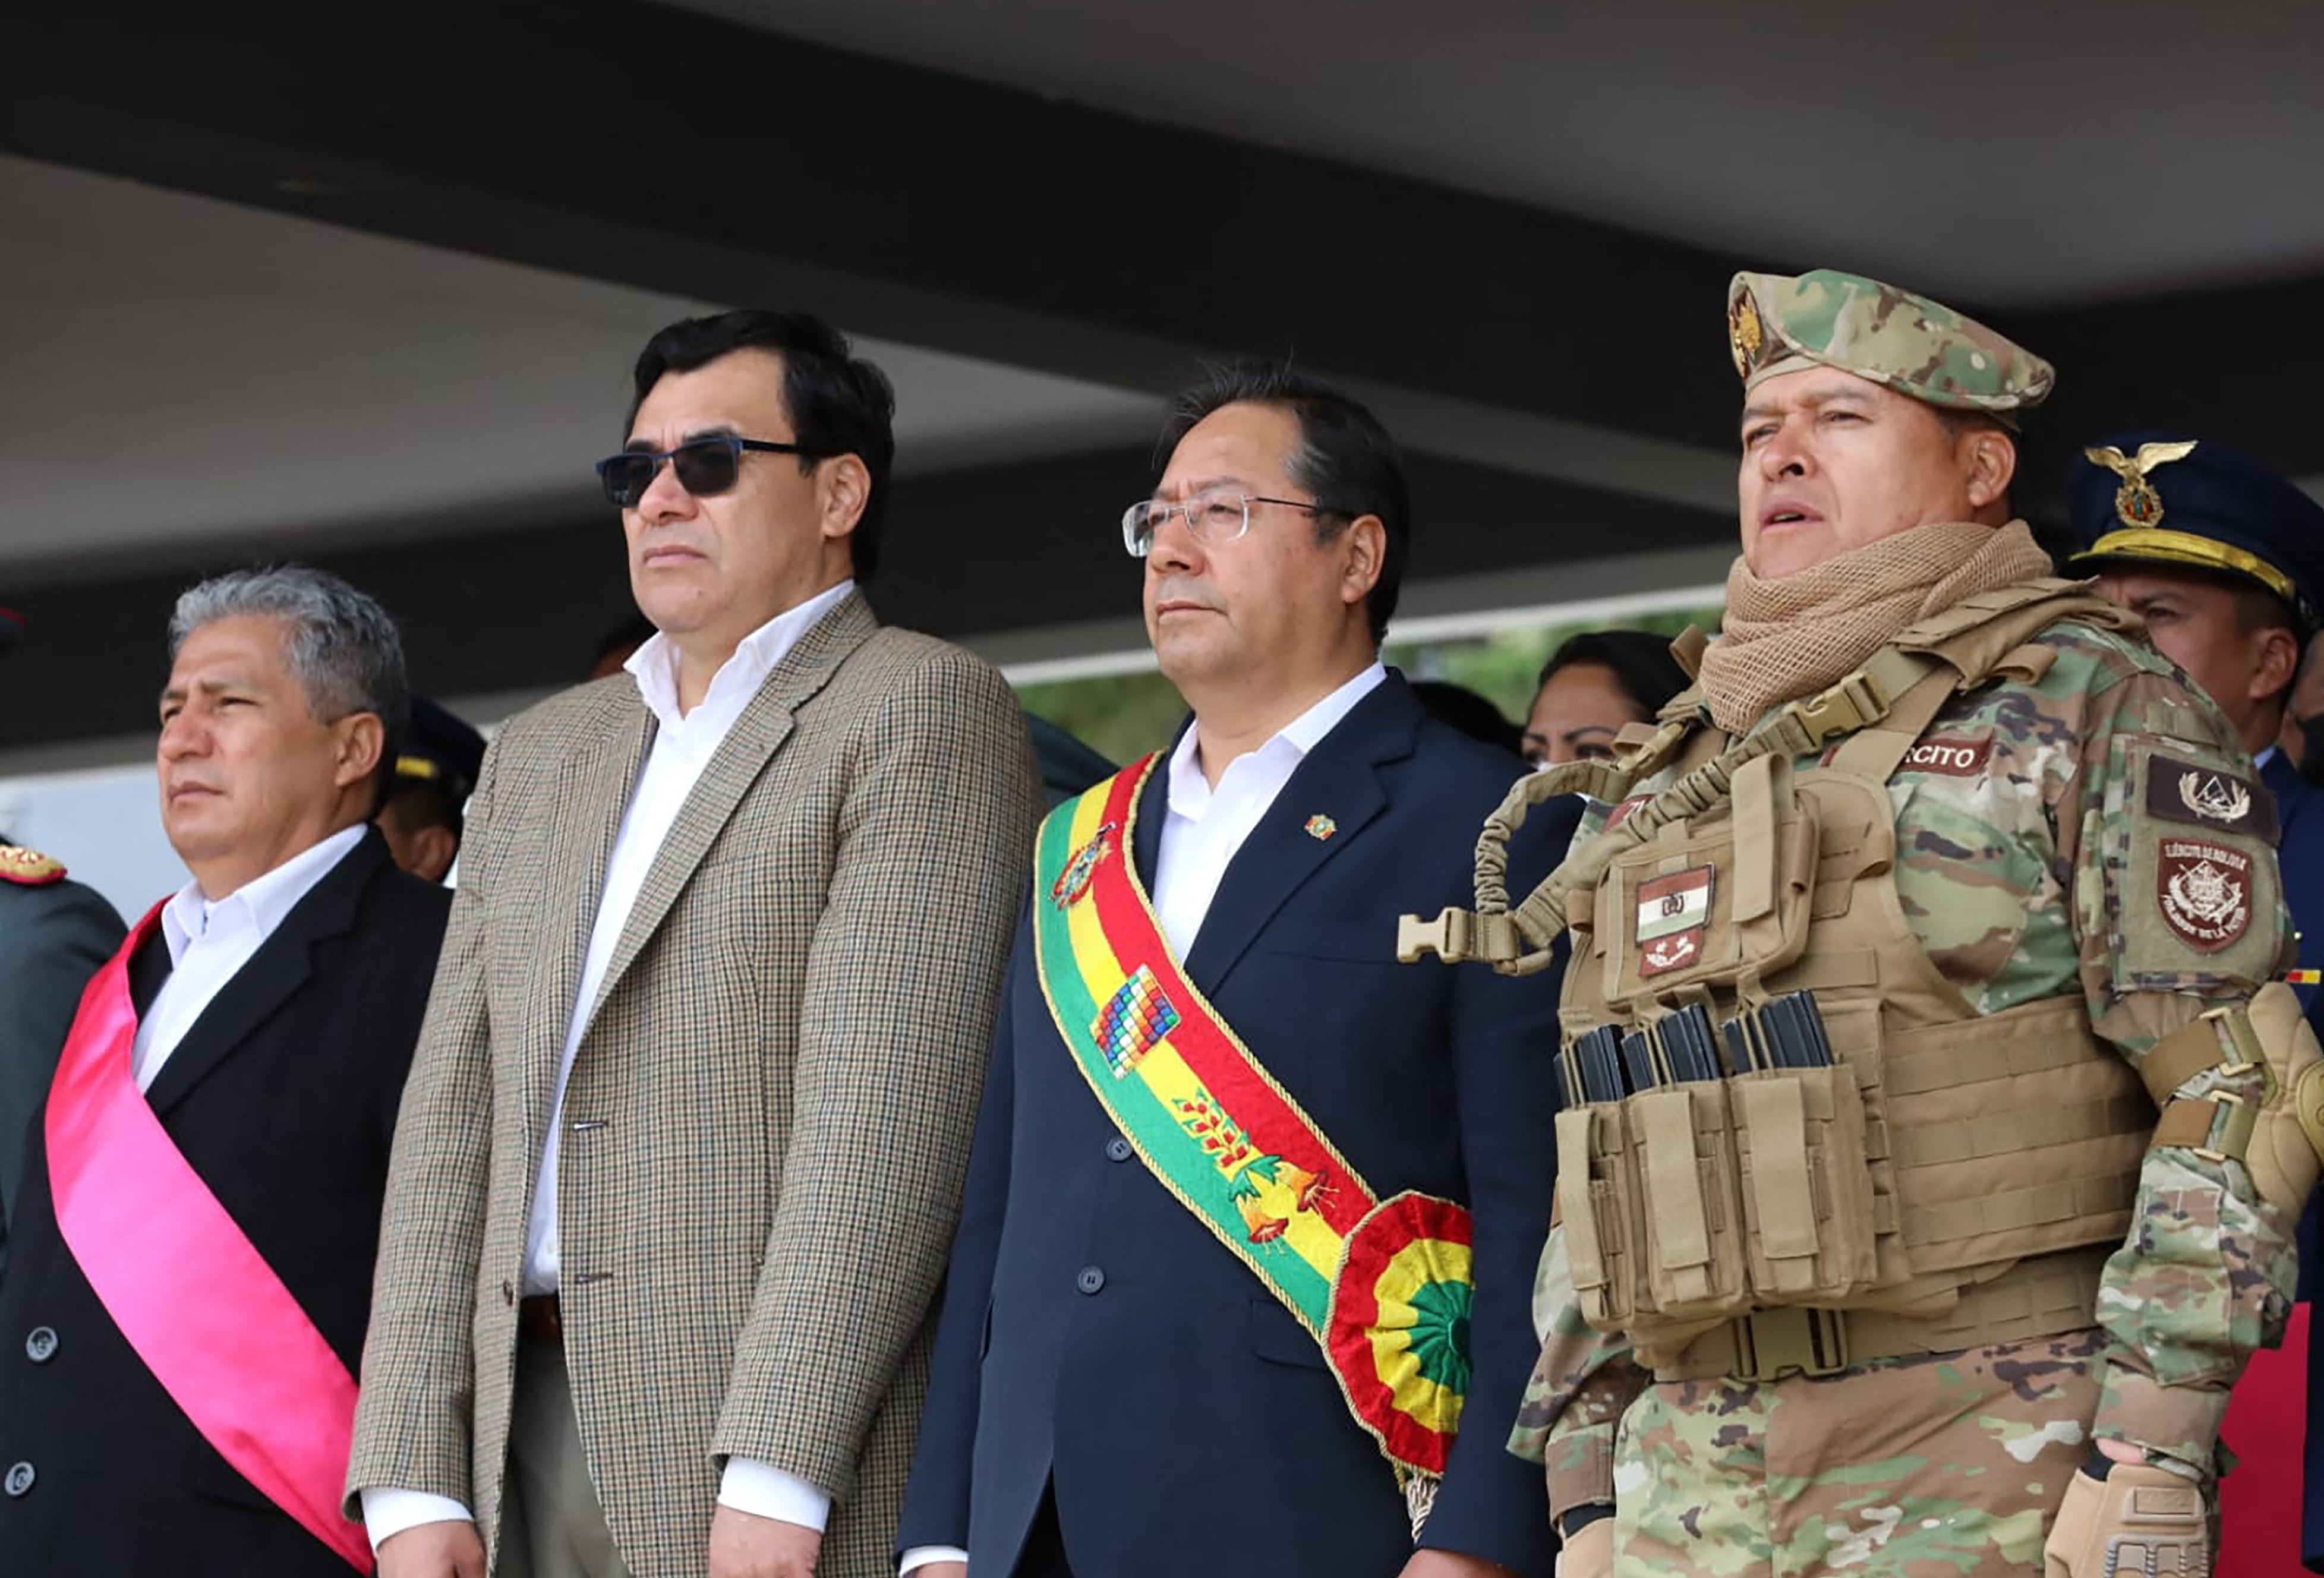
(359, 292)
(189, 371)
(2019, 154)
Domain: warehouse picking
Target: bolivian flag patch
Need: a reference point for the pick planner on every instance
(1673, 912)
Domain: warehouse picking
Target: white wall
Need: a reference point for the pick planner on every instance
(104, 823)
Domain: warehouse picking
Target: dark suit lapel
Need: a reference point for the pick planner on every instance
(1153, 811)
(279, 967)
(149, 967)
(1338, 782)
(740, 757)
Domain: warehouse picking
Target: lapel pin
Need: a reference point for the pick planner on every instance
(1321, 827)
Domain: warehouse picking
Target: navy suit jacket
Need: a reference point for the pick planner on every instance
(2300, 852)
(1096, 1338)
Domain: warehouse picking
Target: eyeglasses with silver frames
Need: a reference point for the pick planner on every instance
(1213, 517)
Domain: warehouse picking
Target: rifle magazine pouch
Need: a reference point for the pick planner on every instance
(1597, 1205)
(1692, 1267)
(1807, 1185)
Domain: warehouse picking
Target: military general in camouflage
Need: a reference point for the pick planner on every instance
(1931, 1138)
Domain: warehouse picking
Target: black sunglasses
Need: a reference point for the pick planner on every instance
(705, 466)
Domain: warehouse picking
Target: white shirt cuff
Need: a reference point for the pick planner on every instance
(764, 1491)
(389, 1513)
(920, 1556)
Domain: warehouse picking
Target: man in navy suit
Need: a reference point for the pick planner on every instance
(2225, 559)
(1124, 1387)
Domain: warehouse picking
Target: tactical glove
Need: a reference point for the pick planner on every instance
(2138, 1522)
(1590, 1553)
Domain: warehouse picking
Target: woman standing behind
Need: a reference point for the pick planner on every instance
(1594, 684)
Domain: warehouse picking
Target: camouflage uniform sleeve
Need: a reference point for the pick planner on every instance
(1583, 1382)
(2178, 909)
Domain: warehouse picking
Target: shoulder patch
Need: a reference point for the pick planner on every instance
(2206, 796)
(2205, 892)
(2194, 894)
(29, 868)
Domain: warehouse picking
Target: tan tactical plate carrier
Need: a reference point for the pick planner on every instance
(1953, 1180)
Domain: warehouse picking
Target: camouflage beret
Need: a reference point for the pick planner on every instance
(1778, 323)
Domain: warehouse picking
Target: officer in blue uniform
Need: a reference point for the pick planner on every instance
(2225, 558)
(423, 813)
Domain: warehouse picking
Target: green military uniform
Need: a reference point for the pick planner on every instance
(1868, 1316)
(53, 935)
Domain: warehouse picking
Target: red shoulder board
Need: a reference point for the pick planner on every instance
(29, 868)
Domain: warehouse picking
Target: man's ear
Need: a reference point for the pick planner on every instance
(1992, 457)
(362, 740)
(843, 491)
(2275, 660)
(1364, 548)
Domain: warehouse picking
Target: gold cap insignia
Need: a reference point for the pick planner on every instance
(1744, 335)
(29, 868)
(2136, 503)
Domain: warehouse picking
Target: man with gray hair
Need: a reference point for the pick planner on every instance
(190, 1274)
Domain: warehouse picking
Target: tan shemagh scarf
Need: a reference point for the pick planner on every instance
(1795, 635)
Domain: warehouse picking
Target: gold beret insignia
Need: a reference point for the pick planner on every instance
(1744, 335)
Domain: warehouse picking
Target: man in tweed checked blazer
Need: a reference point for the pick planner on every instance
(684, 1140)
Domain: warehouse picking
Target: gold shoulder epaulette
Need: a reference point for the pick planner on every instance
(29, 868)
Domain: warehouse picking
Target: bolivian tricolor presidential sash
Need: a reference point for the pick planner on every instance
(1383, 1286)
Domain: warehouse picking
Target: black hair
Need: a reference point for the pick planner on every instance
(1475, 716)
(837, 402)
(1639, 660)
(1345, 458)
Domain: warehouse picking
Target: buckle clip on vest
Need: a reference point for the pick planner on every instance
(1501, 936)
(1771, 1344)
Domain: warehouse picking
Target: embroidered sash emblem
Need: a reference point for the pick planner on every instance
(1074, 880)
(1132, 1022)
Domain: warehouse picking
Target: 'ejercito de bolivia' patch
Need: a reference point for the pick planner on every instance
(2205, 892)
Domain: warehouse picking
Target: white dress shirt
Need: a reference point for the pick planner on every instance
(1205, 829)
(211, 939)
(683, 746)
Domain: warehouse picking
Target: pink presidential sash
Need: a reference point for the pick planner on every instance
(204, 1313)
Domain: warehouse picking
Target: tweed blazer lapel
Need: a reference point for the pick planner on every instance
(592, 794)
(739, 759)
